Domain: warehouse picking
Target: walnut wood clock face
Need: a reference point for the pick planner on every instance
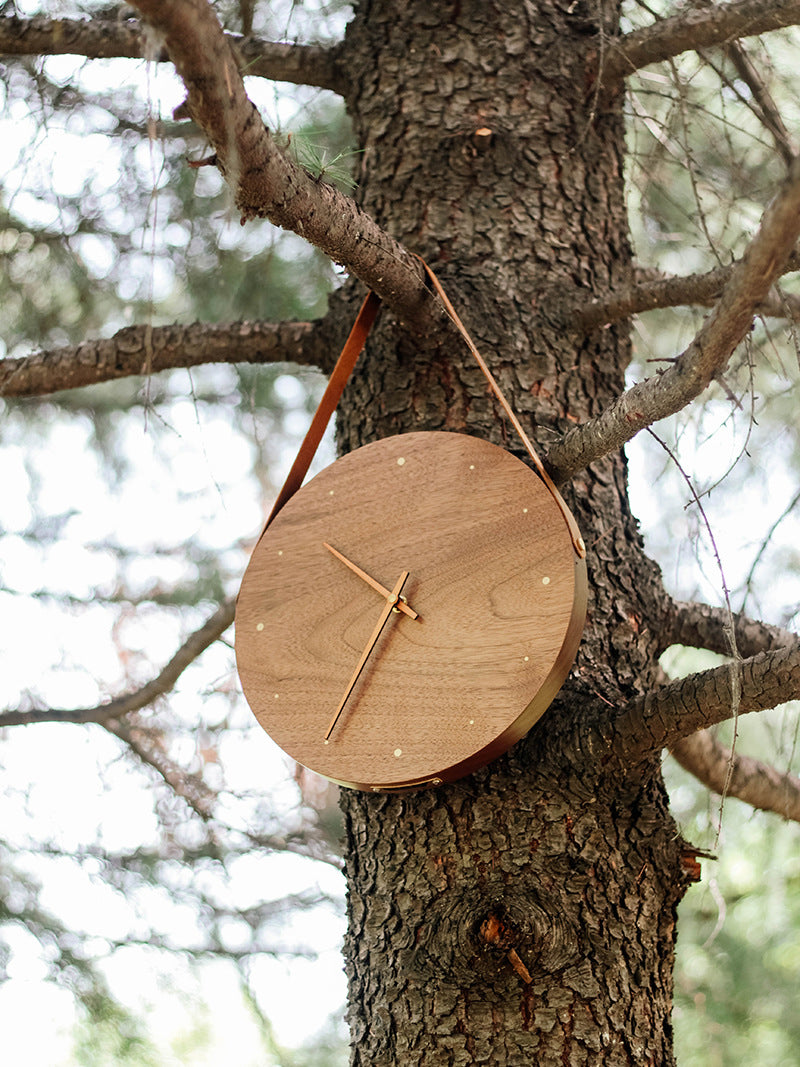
(410, 612)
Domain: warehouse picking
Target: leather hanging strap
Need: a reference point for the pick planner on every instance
(569, 518)
(330, 398)
(339, 378)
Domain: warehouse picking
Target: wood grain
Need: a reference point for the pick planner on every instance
(500, 594)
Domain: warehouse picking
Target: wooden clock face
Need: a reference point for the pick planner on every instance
(484, 560)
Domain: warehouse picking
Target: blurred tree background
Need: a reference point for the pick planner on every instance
(169, 881)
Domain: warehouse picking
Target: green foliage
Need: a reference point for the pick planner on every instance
(110, 1035)
(738, 955)
(739, 946)
(323, 166)
(327, 1048)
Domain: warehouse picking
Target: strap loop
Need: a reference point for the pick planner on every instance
(569, 518)
(339, 378)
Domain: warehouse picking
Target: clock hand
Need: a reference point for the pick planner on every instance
(392, 599)
(401, 604)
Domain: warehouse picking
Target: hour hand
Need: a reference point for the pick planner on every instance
(401, 604)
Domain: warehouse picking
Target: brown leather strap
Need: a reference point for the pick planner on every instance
(569, 518)
(341, 373)
(330, 398)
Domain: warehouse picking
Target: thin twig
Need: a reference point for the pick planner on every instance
(729, 629)
(196, 644)
(655, 398)
(760, 101)
(759, 555)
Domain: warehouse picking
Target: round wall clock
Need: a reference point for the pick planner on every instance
(410, 612)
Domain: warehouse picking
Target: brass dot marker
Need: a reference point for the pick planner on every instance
(400, 461)
(545, 581)
(398, 752)
(259, 626)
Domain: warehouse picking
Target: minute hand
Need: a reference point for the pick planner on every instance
(392, 599)
(401, 604)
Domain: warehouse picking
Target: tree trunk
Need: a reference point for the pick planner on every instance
(527, 913)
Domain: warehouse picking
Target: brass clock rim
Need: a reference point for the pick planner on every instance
(459, 449)
(518, 729)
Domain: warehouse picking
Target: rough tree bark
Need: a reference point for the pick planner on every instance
(573, 865)
(527, 913)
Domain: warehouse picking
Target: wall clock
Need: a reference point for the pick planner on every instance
(410, 613)
(381, 693)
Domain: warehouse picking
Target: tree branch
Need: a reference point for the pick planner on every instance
(211, 951)
(762, 786)
(197, 643)
(701, 626)
(150, 349)
(265, 181)
(649, 293)
(144, 744)
(105, 39)
(748, 582)
(760, 100)
(693, 28)
(655, 398)
(660, 719)
(300, 64)
(752, 781)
